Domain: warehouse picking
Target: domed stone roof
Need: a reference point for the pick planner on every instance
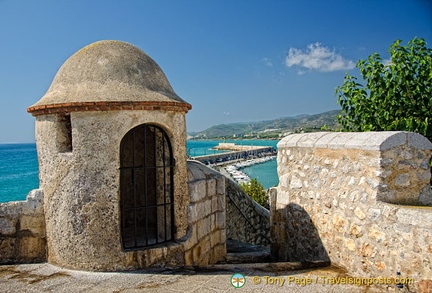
(109, 71)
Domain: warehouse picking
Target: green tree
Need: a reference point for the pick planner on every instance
(397, 95)
(256, 191)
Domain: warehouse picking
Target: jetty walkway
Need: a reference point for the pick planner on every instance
(235, 152)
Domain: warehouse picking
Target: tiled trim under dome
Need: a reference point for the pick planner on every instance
(107, 106)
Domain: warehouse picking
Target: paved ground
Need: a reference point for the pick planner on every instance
(264, 278)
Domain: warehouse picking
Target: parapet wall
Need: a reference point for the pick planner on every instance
(219, 205)
(23, 239)
(342, 197)
(247, 221)
(206, 235)
(22, 230)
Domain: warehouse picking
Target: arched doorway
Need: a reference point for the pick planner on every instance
(146, 187)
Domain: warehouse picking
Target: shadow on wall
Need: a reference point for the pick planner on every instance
(297, 239)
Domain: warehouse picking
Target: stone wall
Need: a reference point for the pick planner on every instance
(247, 221)
(206, 236)
(22, 226)
(22, 230)
(340, 198)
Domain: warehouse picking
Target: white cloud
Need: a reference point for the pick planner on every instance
(267, 62)
(387, 62)
(317, 57)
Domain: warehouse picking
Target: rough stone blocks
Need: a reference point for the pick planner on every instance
(367, 199)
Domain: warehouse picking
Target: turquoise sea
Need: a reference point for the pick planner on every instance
(266, 173)
(18, 171)
(19, 166)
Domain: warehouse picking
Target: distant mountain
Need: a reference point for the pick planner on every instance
(298, 123)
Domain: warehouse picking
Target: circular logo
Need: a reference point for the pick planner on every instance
(238, 280)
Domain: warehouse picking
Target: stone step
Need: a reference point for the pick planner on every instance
(242, 252)
(248, 257)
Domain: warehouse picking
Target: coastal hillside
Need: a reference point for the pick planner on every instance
(271, 128)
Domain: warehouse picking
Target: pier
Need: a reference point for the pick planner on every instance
(235, 152)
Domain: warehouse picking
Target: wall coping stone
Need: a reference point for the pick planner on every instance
(199, 171)
(413, 215)
(33, 204)
(368, 141)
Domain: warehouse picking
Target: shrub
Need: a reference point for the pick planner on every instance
(256, 191)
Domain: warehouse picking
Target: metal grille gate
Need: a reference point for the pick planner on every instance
(146, 187)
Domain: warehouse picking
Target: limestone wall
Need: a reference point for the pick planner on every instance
(206, 237)
(22, 230)
(340, 197)
(22, 226)
(247, 221)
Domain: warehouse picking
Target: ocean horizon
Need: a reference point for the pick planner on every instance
(19, 166)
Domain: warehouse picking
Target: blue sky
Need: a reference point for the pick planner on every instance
(233, 60)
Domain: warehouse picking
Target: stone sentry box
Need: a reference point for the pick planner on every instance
(110, 135)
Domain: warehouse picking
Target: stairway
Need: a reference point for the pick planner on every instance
(242, 252)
